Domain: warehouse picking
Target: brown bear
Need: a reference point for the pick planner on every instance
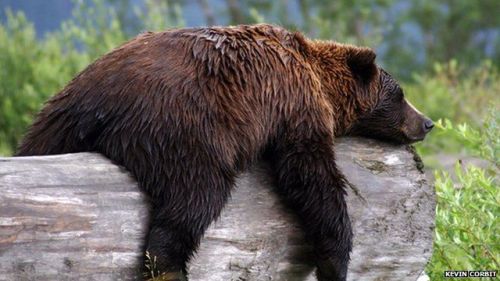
(187, 110)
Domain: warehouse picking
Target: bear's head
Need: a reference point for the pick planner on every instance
(371, 102)
(392, 118)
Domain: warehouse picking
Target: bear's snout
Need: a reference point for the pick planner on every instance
(417, 125)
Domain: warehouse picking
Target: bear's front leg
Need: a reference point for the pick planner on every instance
(314, 188)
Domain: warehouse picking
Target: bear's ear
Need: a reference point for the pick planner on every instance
(361, 61)
(302, 43)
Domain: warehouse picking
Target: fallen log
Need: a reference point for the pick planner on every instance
(80, 217)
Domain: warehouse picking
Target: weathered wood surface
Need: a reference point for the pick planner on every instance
(79, 217)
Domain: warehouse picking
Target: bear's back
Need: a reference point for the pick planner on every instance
(220, 89)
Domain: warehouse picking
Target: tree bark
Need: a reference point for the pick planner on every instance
(80, 217)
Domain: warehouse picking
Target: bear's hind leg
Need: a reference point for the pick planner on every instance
(181, 215)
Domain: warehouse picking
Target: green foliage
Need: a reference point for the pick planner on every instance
(483, 143)
(325, 19)
(94, 28)
(468, 202)
(159, 16)
(451, 29)
(410, 36)
(467, 222)
(455, 93)
(31, 72)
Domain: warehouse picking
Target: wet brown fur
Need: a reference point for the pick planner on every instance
(186, 110)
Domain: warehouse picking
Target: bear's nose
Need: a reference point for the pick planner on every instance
(428, 125)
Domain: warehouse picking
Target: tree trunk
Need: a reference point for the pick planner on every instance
(80, 217)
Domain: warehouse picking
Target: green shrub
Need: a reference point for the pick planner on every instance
(35, 69)
(483, 143)
(455, 93)
(31, 72)
(467, 222)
